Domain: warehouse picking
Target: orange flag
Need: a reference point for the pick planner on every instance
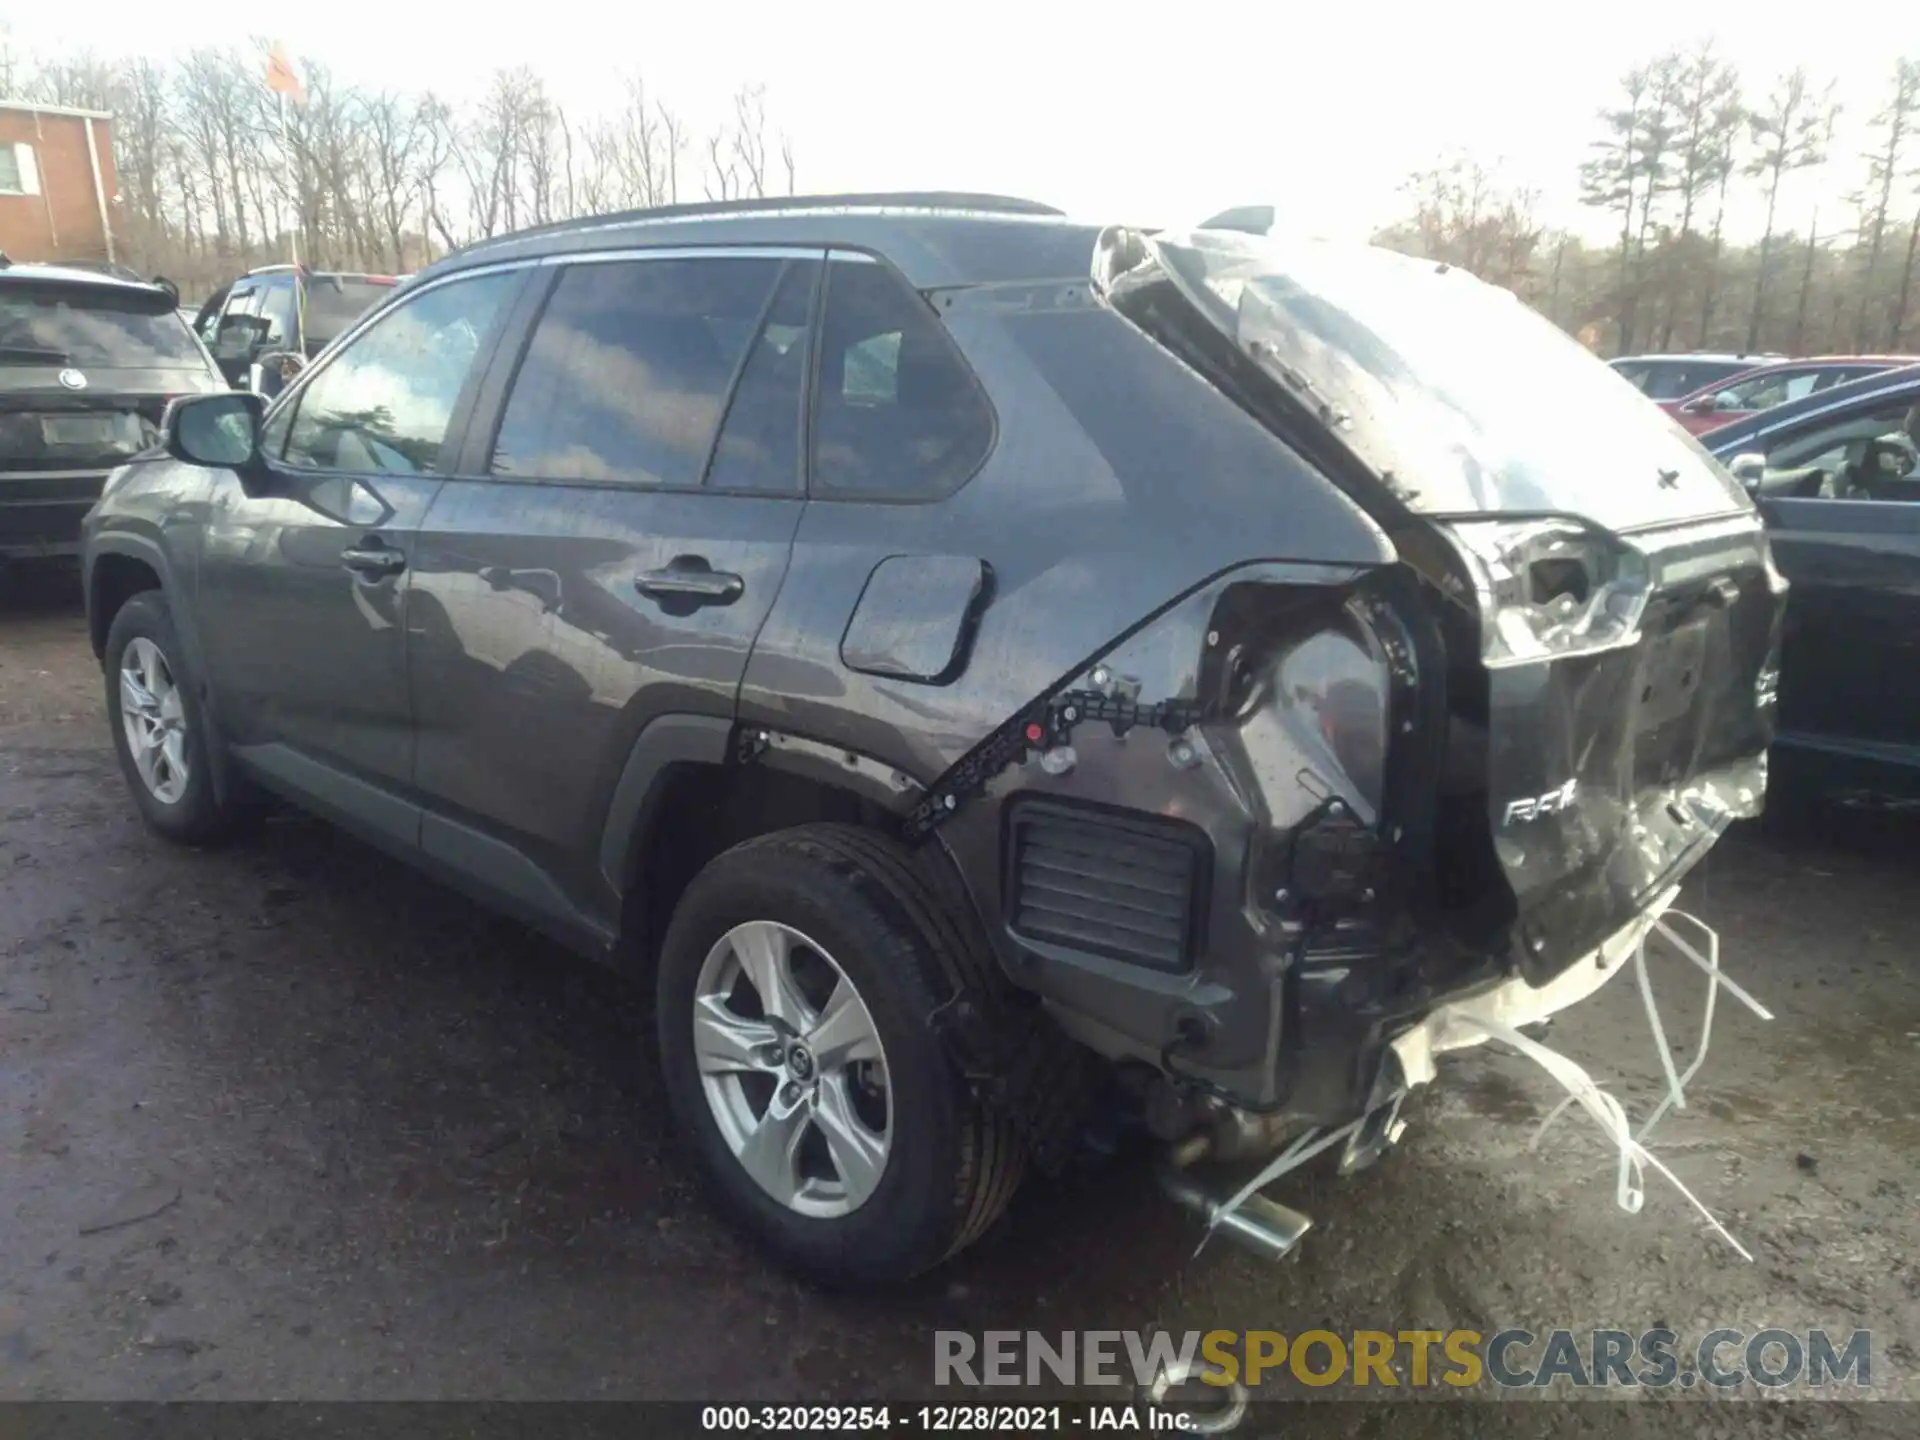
(280, 75)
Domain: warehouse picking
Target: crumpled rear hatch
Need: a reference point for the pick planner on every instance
(1612, 578)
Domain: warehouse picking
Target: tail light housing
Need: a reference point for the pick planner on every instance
(1549, 588)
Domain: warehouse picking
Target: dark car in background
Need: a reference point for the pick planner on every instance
(280, 316)
(1723, 402)
(1837, 476)
(88, 361)
(1669, 377)
(959, 656)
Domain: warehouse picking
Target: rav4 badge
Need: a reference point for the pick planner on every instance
(1551, 803)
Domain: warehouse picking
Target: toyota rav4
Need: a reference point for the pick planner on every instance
(968, 662)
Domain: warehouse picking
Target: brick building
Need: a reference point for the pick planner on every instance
(58, 190)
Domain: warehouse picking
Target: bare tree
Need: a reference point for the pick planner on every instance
(749, 139)
(1897, 322)
(1465, 215)
(1626, 174)
(1790, 131)
(1895, 126)
(723, 180)
(1708, 109)
(214, 178)
(436, 147)
(397, 130)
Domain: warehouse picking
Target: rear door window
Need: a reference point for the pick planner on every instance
(759, 444)
(628, 371)
(897, 413)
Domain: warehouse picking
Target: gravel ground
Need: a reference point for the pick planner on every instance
(286, 1120)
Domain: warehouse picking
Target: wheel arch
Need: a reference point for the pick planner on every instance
(693, 786)
(119, 565)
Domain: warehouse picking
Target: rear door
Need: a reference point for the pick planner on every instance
(635, 495)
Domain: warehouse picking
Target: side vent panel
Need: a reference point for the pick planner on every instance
(1128, 887)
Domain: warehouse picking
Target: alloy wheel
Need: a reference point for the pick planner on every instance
(154, 720)
(793, 1069)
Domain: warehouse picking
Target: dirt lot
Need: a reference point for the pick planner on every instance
(288, 1121)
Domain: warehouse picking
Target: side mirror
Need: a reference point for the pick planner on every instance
(222, 431)
(1697, 407)
(1749, 469)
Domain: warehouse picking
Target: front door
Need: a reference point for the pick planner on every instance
(1841, 495)
(303, 581)
(643, 484)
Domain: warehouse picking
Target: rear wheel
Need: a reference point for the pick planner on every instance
(796, 987)
(159, 731)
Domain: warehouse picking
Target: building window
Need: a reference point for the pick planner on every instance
(19, 174)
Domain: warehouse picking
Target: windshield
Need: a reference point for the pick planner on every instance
(1460, 397)
(52, 325)
(335, 301)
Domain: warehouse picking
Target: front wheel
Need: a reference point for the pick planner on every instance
(159, 729)
(796, 986)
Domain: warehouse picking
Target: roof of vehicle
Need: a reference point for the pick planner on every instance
(1692, 356)
(936, 238)
(1890, 360)
(1810, 362)
(1903, 383)
(286, 269)
(34, 273)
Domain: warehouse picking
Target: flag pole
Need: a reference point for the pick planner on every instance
(286, 150)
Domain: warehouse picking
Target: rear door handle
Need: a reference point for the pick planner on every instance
(691, 578)
(373, 559)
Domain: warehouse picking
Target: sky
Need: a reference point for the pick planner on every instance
(1152, 114)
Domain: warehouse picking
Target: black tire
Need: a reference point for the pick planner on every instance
(953, 1163)
(197, 816)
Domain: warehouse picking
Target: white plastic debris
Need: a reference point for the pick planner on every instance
(1497, 1015)
(1606, 1111)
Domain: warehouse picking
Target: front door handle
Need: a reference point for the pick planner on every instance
(691, 579)
(373, 560)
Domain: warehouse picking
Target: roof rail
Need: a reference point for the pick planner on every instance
(752, 205)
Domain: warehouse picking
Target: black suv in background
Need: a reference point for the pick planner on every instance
(279, 311)
(959, 655)
(88, 360)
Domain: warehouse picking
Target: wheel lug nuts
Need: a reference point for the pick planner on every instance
(789, 1094)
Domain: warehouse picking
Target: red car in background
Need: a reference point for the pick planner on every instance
(1722, 401)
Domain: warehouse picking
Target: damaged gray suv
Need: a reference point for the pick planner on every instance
(977, 667)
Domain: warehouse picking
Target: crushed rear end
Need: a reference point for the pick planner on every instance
(1499, 756)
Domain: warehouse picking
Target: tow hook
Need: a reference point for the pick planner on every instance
(1267, 1229)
